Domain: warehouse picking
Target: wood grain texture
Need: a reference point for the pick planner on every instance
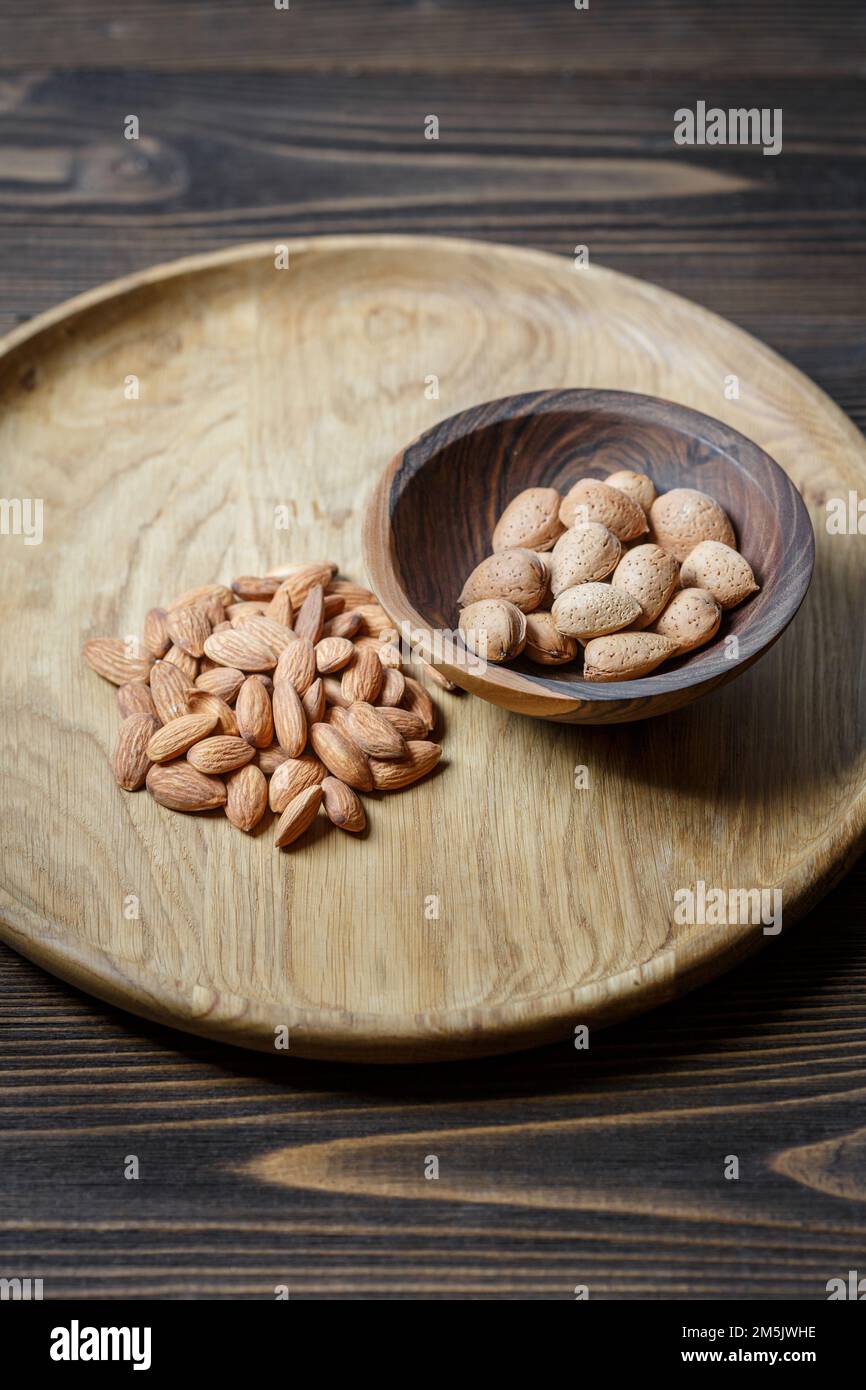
(472, 465)
(546, 920)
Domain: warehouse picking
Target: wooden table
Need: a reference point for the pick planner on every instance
(556, 1167)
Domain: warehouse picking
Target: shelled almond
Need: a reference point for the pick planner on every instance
(255, 696)
(632, 577)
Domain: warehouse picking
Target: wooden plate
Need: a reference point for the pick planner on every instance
(498, 904)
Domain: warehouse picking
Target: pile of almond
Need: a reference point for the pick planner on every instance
(575, 571)
(284, 691)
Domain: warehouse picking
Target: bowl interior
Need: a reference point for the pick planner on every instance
(452, 484)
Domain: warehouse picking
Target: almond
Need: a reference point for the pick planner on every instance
(545, 644)
(251, 587)
(310, 618)
(290, 722)
(269, 759)
(437, 677)
(244, 609)
(591, 610)
(421, 758)
(205, 593)
(691, 619)
(109, 657)
(587, 552)
(224, 681)
(625, 655)
(494, 629)
(174, 738)
(156, 635)
(334, 692)
(637, 486)
(591, 500)
(170, 689)
(417, 701)
(131, 761)
(363, 679)
(721, 569)
(189, 628)
(135, 698)
(386, 652)
(298, 816)
(280, 608)
(341, 756)
(333, 653)
(342, 806)
(241, 650)
(267, 630)
(515, 575)
(344, 625)
(313, 701)
(682, 518)
(352, 594)
(176, 656)
(374, 619)
(393, 687)
(205, 702)
(530, 520)
(332, 605)
(246, 797)
(650, 575)
(338, 716)
(220, 753)
(181, 788)
(255, 719)
(374, 735)
(404, 721)
(292, 777)
(299, 583)
(297, 665)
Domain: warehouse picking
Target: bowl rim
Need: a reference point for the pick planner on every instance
(560, 695)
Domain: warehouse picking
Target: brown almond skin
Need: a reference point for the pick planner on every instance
(393, 687)
(269, 759)
(421, 758)
(189, 629)
(625, 656)
(592, 500)
(205, 702)
(205, 593)
(135, 698)
(530, 521)
(517, 576)
(292, 777)
(107, 656)
(363, 679)
(246, 797)
(344, 624)
(313, 701)
(341, 757)
(373, 734)
(310, 618)
(224, 681)
(176, 656)
(169, 688)
(240, 649)
(131, 763)
(255, 587)
(332, 654)
(297, 664)
(220, 754)
(266, 630)
(418, 701)
(179, 735)
(156, 635)
(255, 718)
(181, 787)
(298, 816)
(290, 721)
(334, 692)
(342, 806)
(405, 722)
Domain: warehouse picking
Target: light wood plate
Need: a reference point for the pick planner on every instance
(262, 387)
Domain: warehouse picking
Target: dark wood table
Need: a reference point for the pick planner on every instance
(557, 1167)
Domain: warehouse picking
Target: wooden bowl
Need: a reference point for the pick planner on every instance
(431, 518)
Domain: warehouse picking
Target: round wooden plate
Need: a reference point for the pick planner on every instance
(529, 886)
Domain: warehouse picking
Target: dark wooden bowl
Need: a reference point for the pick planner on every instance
(431, 518)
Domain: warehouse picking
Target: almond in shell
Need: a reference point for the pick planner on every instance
(587, 552)
(591, 500)
(592, 610)
(637, 486)
(691, 619)
(682, 518)
(625, 655)
(545, 644)
(516, 575)
(494, 629)
(722, 570)
(530, 520)
(650, 575)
